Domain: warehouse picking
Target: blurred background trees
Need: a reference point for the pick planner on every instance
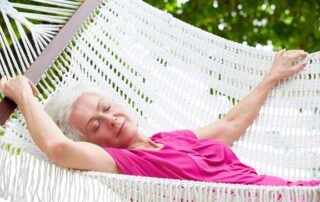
(282, 24)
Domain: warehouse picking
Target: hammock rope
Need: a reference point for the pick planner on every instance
(170, 75)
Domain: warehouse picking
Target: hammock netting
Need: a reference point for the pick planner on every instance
(170, 75)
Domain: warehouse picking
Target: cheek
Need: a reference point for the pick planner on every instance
(105, 134)
(132, 127)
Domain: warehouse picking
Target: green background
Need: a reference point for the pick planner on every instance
(287, 24)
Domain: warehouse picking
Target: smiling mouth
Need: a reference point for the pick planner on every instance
(122, 128)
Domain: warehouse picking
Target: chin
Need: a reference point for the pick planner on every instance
(131, 133)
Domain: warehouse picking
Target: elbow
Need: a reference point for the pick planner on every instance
(230, 133)
(227, 140)
(56, 152)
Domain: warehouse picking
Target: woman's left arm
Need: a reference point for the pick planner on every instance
(240, 117)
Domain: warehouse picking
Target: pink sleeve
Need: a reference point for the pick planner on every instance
(128, 162)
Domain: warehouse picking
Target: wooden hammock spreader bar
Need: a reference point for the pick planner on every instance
(51, 52)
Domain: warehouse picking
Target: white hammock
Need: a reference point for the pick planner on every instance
(171, 76)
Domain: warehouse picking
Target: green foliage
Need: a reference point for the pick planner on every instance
(285, 24)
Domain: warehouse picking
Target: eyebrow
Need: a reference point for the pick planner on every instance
(99, 103)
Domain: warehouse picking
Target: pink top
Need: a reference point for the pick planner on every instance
(186, 157)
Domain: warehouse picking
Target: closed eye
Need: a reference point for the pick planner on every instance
(105, 109)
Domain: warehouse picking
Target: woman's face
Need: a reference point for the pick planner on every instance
(103, 121)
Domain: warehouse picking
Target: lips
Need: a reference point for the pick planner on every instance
(122, 128)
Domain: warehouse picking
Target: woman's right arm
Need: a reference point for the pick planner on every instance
(49, 137)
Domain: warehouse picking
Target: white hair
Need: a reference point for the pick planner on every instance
(60, 105)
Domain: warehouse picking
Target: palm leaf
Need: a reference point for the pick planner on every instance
(26, 29)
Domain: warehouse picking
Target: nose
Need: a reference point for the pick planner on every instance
(109, 119)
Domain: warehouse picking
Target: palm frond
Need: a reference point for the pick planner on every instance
(26, 30)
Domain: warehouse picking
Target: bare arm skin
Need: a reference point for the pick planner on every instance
(240, 117)
(48, 136)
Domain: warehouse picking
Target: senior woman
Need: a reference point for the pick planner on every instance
(96, 133)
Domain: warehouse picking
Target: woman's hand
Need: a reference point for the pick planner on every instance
(15, 87)
(286, 64)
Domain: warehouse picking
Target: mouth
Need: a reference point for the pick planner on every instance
(121, 128)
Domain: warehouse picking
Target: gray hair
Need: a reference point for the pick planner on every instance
(60, 105)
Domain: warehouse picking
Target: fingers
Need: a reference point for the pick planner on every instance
(12, 87)
(33, 87)
(299, 66)
(296, 54)
(2, 82)
(281, 52)
(299, 54)
(298, 57)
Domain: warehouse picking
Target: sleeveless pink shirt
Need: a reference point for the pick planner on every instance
(186, 157)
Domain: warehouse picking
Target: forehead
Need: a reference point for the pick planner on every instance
(84, 108)
(87, 101)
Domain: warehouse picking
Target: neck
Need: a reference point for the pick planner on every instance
(142, 141)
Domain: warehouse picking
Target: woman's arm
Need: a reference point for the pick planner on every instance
(239, 118)
(49, 137)
(236, 121)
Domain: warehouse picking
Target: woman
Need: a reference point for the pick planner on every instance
(108, 139)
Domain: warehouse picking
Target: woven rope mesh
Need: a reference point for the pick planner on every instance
(171, 75)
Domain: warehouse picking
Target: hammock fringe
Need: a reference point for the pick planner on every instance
(20, 181)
